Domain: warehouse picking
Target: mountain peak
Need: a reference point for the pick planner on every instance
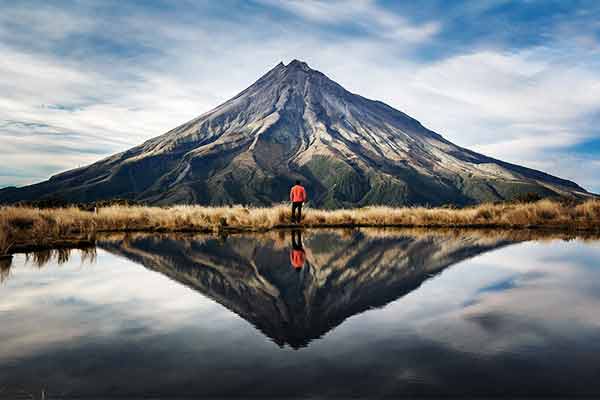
(297, 64)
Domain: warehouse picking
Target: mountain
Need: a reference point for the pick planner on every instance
(296, 123)
(344, 274)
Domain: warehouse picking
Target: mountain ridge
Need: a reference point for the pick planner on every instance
(296, 123)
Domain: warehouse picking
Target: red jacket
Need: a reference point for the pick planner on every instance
(297, 194)
(297, 258)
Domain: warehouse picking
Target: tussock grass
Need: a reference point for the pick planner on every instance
(19, 225)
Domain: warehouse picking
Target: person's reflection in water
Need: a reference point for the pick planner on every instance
(297, 255)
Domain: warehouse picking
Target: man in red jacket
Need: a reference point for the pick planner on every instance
(297, 197)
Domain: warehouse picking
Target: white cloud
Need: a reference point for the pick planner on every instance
(516, 107)
(363, 13)
(45, 20)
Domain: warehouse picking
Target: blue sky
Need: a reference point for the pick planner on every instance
(517, 80)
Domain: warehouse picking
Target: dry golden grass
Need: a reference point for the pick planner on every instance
(19, 225)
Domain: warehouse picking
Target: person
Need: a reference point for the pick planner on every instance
(297, 197)
(297, 256)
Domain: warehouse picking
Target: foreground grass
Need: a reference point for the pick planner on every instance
(21, 226)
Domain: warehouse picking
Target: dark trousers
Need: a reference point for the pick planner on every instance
(296, 206)
(297, 239)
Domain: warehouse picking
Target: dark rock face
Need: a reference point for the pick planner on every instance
(342, 276)
(295, 123)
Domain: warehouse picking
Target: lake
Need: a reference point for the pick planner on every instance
(325, 313)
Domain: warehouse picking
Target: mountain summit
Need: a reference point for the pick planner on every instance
(296, 123)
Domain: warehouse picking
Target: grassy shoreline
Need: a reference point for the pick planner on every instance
(22, 227)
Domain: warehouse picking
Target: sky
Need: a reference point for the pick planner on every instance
(516, 80)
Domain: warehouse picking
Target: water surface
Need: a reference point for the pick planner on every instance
(329, 314)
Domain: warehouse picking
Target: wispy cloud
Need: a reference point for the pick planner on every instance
(365, 14)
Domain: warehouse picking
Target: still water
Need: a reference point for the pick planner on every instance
(328, 314)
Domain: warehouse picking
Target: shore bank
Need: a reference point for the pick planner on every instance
(28, 228)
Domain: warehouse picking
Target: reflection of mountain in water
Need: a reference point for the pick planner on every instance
(343, 275)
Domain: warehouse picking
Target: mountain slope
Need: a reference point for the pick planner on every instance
(295, 123)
